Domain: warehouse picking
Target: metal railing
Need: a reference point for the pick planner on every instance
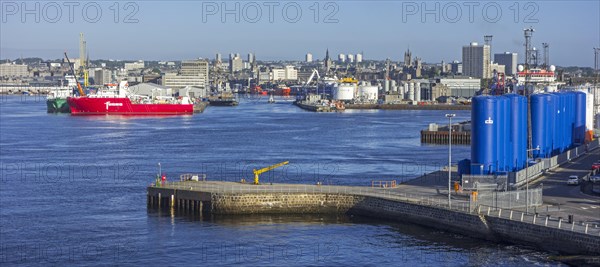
(383, 193)
(541, 220)
(508, 199)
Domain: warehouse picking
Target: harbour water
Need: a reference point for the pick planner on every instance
(73, 189)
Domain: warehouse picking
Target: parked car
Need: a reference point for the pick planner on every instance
(573, 180)
(596, 165)
(595, 179)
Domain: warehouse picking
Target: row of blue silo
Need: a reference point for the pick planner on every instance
(499, 129)
(557, 122)
(499, 134)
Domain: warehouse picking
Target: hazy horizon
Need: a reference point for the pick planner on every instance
(180, 30)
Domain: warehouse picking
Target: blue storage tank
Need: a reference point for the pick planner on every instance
(539, 125)
(559, 129)
(484, 135)
(553, 131)
(500, 125)
(580, 118)
(571, 109)
(518, 131)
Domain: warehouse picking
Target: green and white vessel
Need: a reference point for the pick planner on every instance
(56, 101)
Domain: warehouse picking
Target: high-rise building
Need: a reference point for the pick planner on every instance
(351, 58)
(102, 76)
(342, 58)
(235, 63)
(359, 58)
(251, 58)
(309, 57)
(509, 60)
(476, 61)
(218, 58)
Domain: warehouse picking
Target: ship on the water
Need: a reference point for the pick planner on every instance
(223, 99)
(56, 100)
(122, 102)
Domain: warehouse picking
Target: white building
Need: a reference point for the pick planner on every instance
(309, 57)
(235, 63)
(13, 70)
(359, 58)
(287, 73)
(131, 66)
(476, 61)
(342, 58)
(193, 73)
(509, 60)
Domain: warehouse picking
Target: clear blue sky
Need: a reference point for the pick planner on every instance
(175, 30)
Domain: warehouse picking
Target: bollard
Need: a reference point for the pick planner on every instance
(488, 213)
(559, 222)
(572, 227)
(511, 212)
(547, 217)
(586, 228)
(534, 215)
(522, 216)
(499, 213)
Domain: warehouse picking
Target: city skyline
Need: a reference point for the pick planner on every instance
(379, 31)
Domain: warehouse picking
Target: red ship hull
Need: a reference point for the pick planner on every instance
(123, 106)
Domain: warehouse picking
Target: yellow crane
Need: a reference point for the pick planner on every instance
(263, 170)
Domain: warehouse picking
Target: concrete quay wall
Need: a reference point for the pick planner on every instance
(469, 224)
(546, 238)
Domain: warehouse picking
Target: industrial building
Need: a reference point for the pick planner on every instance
(461, 87)
(509, 60)
(192, 73)
(476, 61)
(14, 70)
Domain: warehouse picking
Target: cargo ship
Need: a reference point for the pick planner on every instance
(121, 103)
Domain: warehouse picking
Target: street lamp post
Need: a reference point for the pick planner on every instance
(527, 178)
(449, 116)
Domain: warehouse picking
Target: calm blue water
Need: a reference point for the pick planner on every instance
(73, 189)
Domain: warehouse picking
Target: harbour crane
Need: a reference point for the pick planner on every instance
(79, 88)
(263, 170)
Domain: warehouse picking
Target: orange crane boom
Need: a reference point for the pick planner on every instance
(79, 88)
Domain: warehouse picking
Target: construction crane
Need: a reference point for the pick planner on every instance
(79, 88)
(263, 170)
